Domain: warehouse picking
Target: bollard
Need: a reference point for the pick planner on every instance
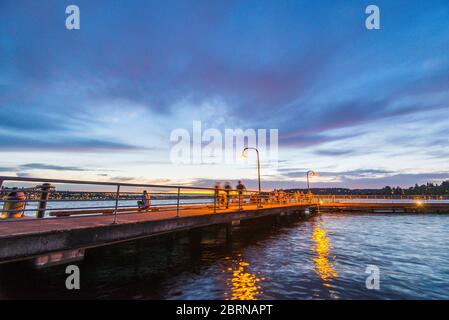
(42, 204)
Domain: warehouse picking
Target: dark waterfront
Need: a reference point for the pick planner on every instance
(322, 258)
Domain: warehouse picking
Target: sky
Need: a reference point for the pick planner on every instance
(363, 108)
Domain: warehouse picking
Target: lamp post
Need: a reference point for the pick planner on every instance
(310, 173)
(259, 205)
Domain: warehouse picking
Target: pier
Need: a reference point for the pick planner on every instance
(64, 218)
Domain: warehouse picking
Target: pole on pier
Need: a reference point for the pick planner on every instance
(117, 196)
(42, 204)
(228, 232)
(215, 201)
(240, 199)
(177, 204)
(259, 202)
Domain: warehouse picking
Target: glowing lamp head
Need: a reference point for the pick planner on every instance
(312, 173)
(419, 203)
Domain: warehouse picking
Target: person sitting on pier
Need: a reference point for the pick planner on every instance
(146, 200)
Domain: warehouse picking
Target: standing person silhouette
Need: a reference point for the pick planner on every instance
(240, 189)
(228, 189)
(218, 188)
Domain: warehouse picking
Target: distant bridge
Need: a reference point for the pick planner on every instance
(62, 218)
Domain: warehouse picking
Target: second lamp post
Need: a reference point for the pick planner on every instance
(259, 204)
(309, 173)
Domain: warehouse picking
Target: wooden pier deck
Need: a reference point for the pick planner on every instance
(27, 238)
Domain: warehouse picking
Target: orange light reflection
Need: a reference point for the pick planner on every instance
(323, 266)
(243, 284)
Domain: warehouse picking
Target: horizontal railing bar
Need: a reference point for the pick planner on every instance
(174, 194)
(95, 200)
(110, 207)
(99, 183)
(24, 179)
(171, 193)
(6, 191)
(105, 207)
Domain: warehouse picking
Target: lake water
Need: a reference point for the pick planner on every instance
(323, 258)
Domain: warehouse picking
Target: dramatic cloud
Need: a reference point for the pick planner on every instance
(341, 96)
(43, 166)
(70, 144)
(354, 174)
(340, 181)
(333, 153)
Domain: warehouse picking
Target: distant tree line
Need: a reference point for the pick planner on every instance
(425, 189)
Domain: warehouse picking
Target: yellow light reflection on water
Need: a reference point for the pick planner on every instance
(323, 266)
(243, 285)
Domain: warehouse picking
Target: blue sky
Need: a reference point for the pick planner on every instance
(364, 108)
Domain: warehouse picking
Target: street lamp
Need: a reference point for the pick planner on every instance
(310, 173)
(258, 169)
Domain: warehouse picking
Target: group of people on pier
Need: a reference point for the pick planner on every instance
(225, 196)
(281, 197)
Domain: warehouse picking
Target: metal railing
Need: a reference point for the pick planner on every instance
(380, 199)
(58, 198)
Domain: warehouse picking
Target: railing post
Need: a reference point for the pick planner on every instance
(177, 203)
(215, 201)
(240, 200)
(117, 196)
(42, 204)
